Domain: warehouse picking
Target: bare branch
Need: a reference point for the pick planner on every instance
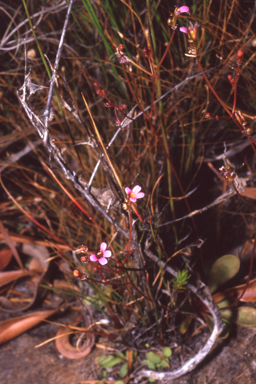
(56, 65)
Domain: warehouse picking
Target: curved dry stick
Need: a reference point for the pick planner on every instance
(203, 293)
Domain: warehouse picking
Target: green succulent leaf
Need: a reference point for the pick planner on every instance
(121, 355)
(162, 364)
(166, 352)
(151, 356)
(101, 358)
(222, 271)
(151, 365)
(110, 361)
(123, 370)
(246, 316)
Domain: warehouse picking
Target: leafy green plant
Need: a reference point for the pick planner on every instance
(180, 282)
(111, 361)
(157, 361)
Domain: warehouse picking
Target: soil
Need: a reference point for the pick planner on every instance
(233, 361)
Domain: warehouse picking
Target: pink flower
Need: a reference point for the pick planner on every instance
(101, 255)
(182, 9)
(174, 16)
(135, 193)
(191, 30)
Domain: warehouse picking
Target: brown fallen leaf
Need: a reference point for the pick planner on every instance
(9, 276)
(248, 296)
(14, 327)
(64, 347)
(5, 258)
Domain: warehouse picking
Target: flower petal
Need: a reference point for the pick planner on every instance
(107, 254)
(103, 261)
(183, 9)
(103, 247)
(191, 26)
(184, 30)
(136, 189)
(93, 258)
(133, 199)
(127, 190)
(140, 195)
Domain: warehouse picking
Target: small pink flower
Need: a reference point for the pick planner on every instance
(135, 193)
(191, 30)
(182, 9)
(174, 16)
(101, 255)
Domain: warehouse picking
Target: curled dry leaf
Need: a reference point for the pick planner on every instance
(5, 258)
(14, 327)
(37, 269)
(66, 349)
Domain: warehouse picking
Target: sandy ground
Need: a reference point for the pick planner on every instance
(232, 362)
